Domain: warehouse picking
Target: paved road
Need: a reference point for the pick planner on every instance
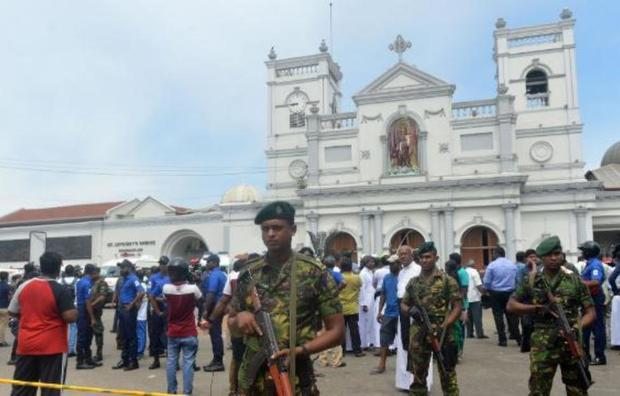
(486, 370)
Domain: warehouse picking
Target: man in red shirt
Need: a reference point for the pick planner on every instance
(181, 298)
(44, 308)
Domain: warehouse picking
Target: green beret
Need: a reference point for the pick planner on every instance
(548, 245)
(276, 210)
(427, 247)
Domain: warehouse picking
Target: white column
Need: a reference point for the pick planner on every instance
(378, 245)
(448, 228)
(436, 230)
(366, 241)
(509, 225)
(312, 136)
(582, 231)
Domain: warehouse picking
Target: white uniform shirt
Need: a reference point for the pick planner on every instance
(367, 293)
(143, 305)
(473, 294)
(379, 274)
(232, 275)
(405, 275)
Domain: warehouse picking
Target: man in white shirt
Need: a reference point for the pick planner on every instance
(367, 319)
(381, 270)
(474, 296)
(409, 269)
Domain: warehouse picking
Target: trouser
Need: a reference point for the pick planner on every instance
(499, 299)
(4, 321)
(98, 328)
(238, 349)
(351, 322)
(38, 368)
(336, 357)
(474, 315)
(141, 336)
(157, 333)
(527, 326)
(186, 348)
(405, 324)
(84, 334)
(600, 338)
(217, 343)
(420, 352)
(115, 320)
(548, 351)
(127, 325)
(72, 337)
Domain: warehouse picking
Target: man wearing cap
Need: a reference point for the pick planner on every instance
(158, 317)
(439, 295)
(213, 286)
(593, 275)
(548, 349)
(269, 278)
(129, 299)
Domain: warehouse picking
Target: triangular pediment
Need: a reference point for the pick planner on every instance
(403, 77)
(151, 207)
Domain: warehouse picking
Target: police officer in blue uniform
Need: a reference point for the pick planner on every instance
(158, 317)
(85, 315)
(130, 297)
(593, 275)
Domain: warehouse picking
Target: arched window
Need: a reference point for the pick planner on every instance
(537, 88)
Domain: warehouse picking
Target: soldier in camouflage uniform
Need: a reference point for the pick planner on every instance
(548, 349)
(438, 293)
(99, 296)
(317, 298)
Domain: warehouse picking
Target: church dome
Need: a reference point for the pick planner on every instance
(612, 155)
(243, 193)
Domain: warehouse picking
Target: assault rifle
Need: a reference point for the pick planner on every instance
(570, 339)
(277, 368)
(436, 344)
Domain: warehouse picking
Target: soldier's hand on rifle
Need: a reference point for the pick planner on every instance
(246, 322)
(414, 313)
(299, 351)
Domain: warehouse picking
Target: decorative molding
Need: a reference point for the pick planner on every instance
(480, 159)
(544, 166)
(338, 134)
(365, 154)
(467, 123)
(339, 171)
(562, 187)
(421, 185)
(549, 131)
(293, 152)
(404, 94)
(439, 113)
(444, 148)
(283, 185)
(366, 118)
(541, 151)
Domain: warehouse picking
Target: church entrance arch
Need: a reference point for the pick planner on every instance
(343, 243)
(477, 244)
(406, 236)
(185, 243)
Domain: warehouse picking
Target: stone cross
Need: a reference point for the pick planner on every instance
(399, 46)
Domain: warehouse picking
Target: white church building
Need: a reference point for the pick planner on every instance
(409, 164)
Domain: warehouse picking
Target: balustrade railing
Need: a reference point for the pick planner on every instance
(534, 40)
(297, 70)
(339, 121)
(467, 110)
(535, 101)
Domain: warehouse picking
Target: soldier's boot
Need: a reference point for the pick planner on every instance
(99, 356)
(155, 364)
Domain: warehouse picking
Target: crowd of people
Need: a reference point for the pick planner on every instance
(379, 306)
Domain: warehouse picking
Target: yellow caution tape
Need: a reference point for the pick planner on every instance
(79, 388)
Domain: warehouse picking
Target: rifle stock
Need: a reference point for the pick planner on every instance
(571, 341)
(436, 344)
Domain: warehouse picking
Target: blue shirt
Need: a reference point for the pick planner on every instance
(129, 289)
(157, 284)
(500, 275)
(5, 291)
(337, 276)
(594, 271)
(82, 290)
(390, 291)
(521, 271)
(463, 284)
(612, 278)
(214, 283)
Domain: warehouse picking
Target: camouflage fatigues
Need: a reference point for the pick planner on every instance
(437, 295)
(317, 297)
(548, 347)
(100, 288)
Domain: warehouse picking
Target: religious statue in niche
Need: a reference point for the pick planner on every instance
(403, 146)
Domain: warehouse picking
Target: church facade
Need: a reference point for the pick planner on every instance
(409, 164)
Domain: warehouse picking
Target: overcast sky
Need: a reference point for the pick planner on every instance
(99, 98)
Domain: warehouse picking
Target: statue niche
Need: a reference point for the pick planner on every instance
(403, 137)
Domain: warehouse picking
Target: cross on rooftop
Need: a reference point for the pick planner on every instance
(399, 46)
